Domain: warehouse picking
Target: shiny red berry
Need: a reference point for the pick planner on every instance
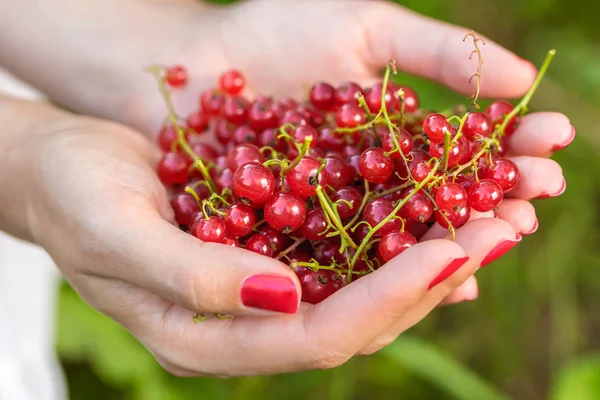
(336, 170)
(435, 127)
(176, 76)
(485, 195)
(211, 229)
(211, 102)
(259, 244)
(304, 178)
(261, 115)
(166, 137)
(347, 93)
(477, 125)
(235, 110)
(375, 166)
(394, 243)
(504, 172)
(253, 182)
(350, 205)
(232, 82)
(376, 211)
(173, 168)
(242, 154)
(197, 121)
(239, 219)
(458, 216)
(499, 109)
(450, 195)
(316, 286)
(315, 225)
(285, 212)
(350, 116)
(321, 96)
(404, 140)
(184, 205)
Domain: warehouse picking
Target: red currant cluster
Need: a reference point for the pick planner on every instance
(336, 185)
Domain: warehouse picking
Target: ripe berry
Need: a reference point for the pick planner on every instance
(244, 134)
(173, 169)
(411, 99)
(373, 98)
(224, 132)
(404, 141)
(315, 117)
(283, 105)
(504, 172)
(261, 115)
(285, 212)
(211, 229)
(294, 117)
(336, 170)
(230, 241)
(347, 93)
(259, 244)
(301, 133)
(166, 137)
(242, 154)
(176, 76)
(450, 195)
(205, 151)
(321, 96)
(235, 110)
(435, 127)
(304, 178)
(497, 110)
(376, 211)
(375, 166)
(458, 216)
(330, 140)
(350, 116)
(316, 286)
(477, 125)
(315, 225)
(421, 170)
(253, 182)
(239, 219)
(268, 137)
(211, 102)
(485, 195)
(276, 239)
(394, 243)
(232, 82)
(455, 155)
(184, 205)
(223, 179)
(418, 208)
(197, 121)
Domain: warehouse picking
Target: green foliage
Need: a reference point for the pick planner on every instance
(536, 315)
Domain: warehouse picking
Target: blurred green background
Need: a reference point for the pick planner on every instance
(533, 334)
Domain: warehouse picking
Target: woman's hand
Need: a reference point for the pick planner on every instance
(86, 191)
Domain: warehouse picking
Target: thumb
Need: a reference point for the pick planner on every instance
(205, 277)
(369, 305)
(435, 50)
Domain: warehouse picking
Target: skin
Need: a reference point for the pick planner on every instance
(110, 228)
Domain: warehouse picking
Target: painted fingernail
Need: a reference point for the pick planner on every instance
(446, 272)
(558, 193)
(566, 143)
(532, 230)
(500, 250)
(270, 292)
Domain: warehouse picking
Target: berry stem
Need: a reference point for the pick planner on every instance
(522, 106)
(156, 71)
(334, 217)
(400, 204)
(291, 248)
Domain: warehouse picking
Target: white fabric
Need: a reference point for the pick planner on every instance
(29, 280)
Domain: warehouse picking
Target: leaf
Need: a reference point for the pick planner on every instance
(579, 380)
(431, 364)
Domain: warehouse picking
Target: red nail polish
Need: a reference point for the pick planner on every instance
(560, 191)
(567, 142)
(446, 272)
(532, 230)
(270, 292)
(500, 250)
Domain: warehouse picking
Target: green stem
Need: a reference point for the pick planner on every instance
(172, 118)
(522, 106)
(334, 218)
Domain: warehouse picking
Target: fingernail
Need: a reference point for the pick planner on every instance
(270, 292)
(566, 143)
(558, 193)
(446, 272)
(500, 250)
(532, 230)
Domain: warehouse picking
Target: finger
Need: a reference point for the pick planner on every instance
(538, 178)
(468, 291)
(319, 336)
(520, 214)
(541, 134)
(482, 240)
(208, 277)
(440, 54)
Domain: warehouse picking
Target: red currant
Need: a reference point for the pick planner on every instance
(499, 109)
(376, 211)
(253, 182)
(304, 178)
(347, 93)
(350, 116)
(350, 205)
(450, 195)
(375, 166)
(394, 243)
(476, 126)
(261, 115)
(184, 205)
(211, 102)
(321, 96)
(316, 286)
(285, 212)
(232, 82)
(404, 139)
(315, 225)
(336, 170)
(239, 219)
(176, 76)
(458, 216)
(211, 229)
(235, 110)
(485, 195)
(166, 137)
(504, 172)
(197, 121)
(435, 127)
(242, 154)
(173, 168)
(259, 244)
